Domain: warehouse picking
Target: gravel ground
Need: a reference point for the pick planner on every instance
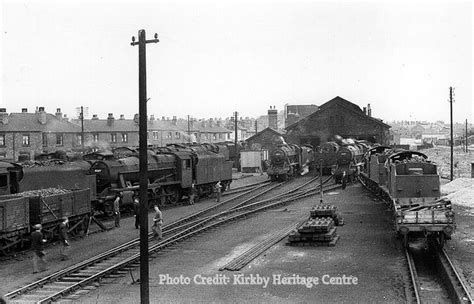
(367, 250)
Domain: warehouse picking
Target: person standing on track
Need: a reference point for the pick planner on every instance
(37, 242)
(136, 212)
(218, 191)
(63, 237)
(116, 206)
(157, 223)
(192, 195)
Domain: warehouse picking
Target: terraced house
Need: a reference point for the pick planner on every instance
(22, 135)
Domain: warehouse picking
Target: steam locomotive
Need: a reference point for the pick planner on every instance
(287, 160)
(171, 173)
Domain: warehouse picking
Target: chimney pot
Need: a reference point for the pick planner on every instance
(152, 117)
(95, 117)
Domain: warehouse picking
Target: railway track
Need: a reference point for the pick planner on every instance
(125, 257)
(434, 278)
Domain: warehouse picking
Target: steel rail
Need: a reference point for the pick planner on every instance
(413, 276)
(460, 290)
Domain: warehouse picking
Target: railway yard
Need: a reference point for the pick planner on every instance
(367, 264)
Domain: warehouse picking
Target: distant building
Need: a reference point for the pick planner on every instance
(263, 140)
(23, 135)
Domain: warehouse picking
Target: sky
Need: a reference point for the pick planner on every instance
(218, 57)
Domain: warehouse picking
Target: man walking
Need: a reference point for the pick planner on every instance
(37, 242)
(63, 237)
(157, 223)
(117, 209)
(136, 212)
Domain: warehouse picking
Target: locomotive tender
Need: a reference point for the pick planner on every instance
(410, 183)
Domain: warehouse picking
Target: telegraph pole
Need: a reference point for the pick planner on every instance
(189, 132)
(235, 128)
(143, 158)
(467, 150)
(82, 129)
(452, 137)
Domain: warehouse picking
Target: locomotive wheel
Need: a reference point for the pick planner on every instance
(172, 196)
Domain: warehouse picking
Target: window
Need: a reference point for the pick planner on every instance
(169, 135)
(45, 140)
(124, 137)
(214, 136)
(79, 139)
(113, 137)
(2, 140)
(155, 135)
(177, 135)
(95, 137)
(220, 135)
(25, 140)
(59, 140)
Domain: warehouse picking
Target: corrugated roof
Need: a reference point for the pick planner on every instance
(31, 122)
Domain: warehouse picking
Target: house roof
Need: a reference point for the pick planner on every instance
(268, 129)
(343, 103)
(32, 122)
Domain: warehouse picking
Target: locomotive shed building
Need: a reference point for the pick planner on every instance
(338, 117)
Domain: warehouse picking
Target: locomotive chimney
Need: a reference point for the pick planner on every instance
(369, 110)
(110, 119)
(273, 118)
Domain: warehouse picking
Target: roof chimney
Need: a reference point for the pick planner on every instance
(369, 110)
(110, 119)
(136, 118)
(3, 116)
(122, 117)
(3, 110)
(273, 118)
(24, 110)
(95, 117)
(59, 115)
(41, 109)
(365, 110)
(162, 118)
(152, 117)
(175, 121)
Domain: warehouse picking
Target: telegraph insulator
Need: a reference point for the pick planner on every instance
(156, 36)
(133, 38)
